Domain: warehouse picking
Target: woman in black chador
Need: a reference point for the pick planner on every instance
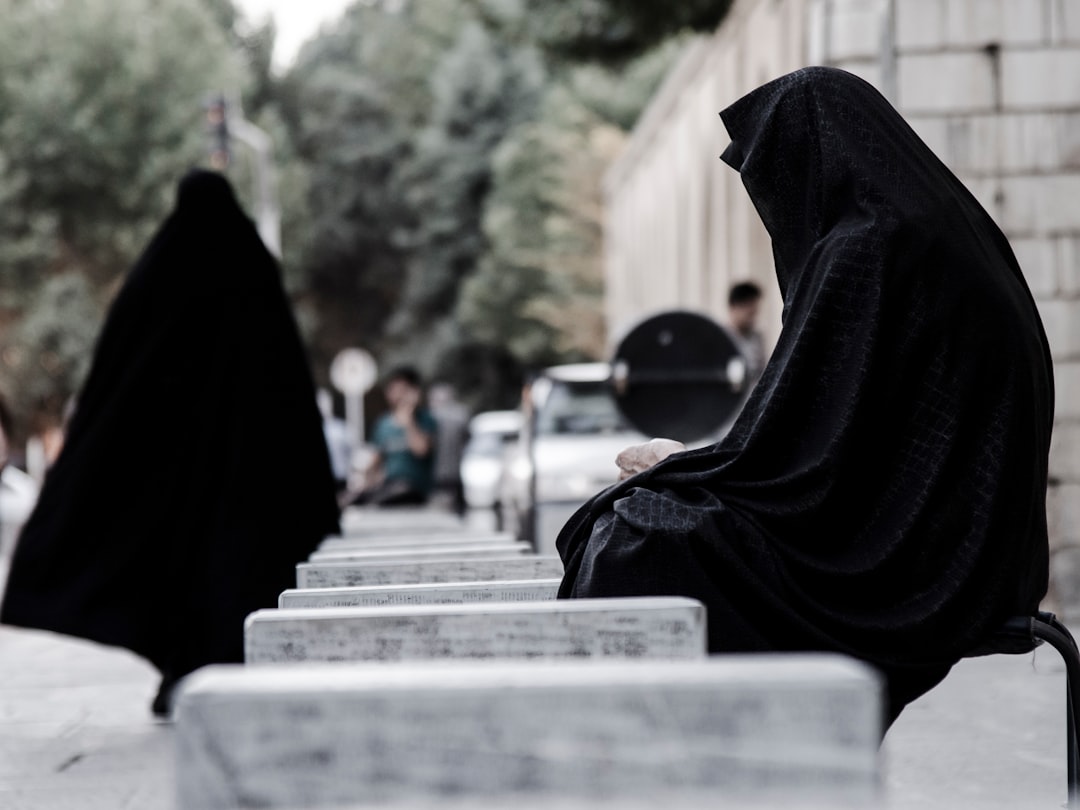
(883, 492)
(194, 475)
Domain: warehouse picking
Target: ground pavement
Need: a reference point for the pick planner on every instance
(76, 732)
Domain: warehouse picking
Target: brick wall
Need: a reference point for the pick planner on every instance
(993, 86)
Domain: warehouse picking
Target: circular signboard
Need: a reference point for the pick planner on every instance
(678, 375)
(353, 371)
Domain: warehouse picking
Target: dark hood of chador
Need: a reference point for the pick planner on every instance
(820, 147)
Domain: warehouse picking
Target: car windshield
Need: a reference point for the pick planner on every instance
(489, 444)
(579, 408)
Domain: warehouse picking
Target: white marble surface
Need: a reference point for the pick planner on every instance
(482, 569)
(421, 552)
(335, 542)
(359, 521)
(645, 627)
(371, 735)
(449, 593)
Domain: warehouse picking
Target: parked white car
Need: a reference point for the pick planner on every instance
(570, 436)
(490, 435)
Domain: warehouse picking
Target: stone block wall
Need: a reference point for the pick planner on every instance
(993, 86)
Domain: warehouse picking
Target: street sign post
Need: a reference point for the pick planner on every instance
(353, 372)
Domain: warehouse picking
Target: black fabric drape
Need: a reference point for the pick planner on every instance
(883, 491)
(194, 474)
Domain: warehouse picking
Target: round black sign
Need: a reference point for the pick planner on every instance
(678, 375)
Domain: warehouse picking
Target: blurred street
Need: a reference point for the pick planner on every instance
(76, 733)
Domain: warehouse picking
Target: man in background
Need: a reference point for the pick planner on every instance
(402, 471)
(744, 305)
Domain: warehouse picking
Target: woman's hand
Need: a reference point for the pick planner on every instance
(640, 457)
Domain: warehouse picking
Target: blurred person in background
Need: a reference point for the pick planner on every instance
(402, 470)
(744, 307)
(452, 421)
(194, 474)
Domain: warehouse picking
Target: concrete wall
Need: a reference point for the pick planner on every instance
(993, 86)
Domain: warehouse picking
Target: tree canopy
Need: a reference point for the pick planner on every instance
(99, 116)
(439, 165)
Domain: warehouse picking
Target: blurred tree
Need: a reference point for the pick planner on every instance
(99, 117)
(481, 91)
(354, 103)
(539, 288)
(48, 350)
(605, 31)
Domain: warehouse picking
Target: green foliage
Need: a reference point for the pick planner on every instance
(455, 207)
(481, 90)
(539, 288)
(354, 103)
(49, 351)
(99, 117)
(612, 32)
(439, 167)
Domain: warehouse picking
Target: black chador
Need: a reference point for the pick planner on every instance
(194, 475)
(883, 492)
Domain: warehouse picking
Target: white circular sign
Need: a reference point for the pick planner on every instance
(353, 371)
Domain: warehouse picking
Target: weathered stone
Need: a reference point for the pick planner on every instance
(979, 23)
(856, 30)
(1067, 394)
(321, 736)
(644, 627)
(935, 131)
(1065, 21)
(1063, 516)
(452, 593)
(482, 569)
(1065, 581)
(384, 541)
(1061, 320)
(945, 82)
(374, 521)
(420, 552)
(1047, 78)
(995, 143)
(1068, 264)
(920, 24)
(1065, 452)
(1038, 260)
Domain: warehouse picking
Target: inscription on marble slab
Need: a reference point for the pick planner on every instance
(452, 593)
(335, 542)
(641, 627)
(461, 569)
(369, 735)
(421, 552)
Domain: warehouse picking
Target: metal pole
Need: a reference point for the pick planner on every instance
(267, 209)
(354, 418)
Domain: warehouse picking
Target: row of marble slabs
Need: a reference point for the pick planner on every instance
(491, 696)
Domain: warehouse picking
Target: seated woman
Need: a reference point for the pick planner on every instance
(883, 492)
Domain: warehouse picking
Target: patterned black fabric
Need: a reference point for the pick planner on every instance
(883, 491)
(194, 475)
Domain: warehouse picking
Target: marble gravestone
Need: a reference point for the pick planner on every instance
(338, 543)
(449, 593)
(642, 627)
(371, 735)
(360, 521)
(479, 569)
(421, 552)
